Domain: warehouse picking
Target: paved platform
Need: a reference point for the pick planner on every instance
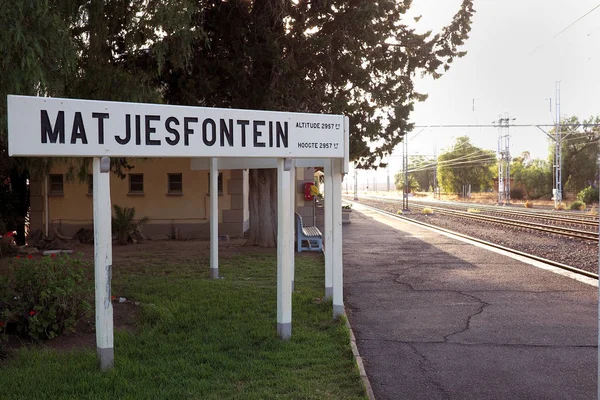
(438, 318)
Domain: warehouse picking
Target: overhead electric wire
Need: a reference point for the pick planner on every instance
(570, 25)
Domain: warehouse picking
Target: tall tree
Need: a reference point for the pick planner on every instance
(420, 170)
(533, 175)
(579, 152)
(37, 59)
(465, 164)
(356, 57)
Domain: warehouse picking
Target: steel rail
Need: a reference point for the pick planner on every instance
(588, 220)
(491, 244)
(553, 213)
(563, 231)
(545, 216)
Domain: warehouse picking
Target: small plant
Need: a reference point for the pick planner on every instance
(577, 205)
(124, 223)
(399, 212)
(426, 211)
(473, 210)
(589, 195)
(528, 204)
(44, 297)
(560, 206)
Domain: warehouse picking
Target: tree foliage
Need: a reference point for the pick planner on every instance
(357, 58)
(579, 153)
(533, 176)
(421, 173)
(465, 164)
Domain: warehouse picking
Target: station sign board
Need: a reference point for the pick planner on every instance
(42, 126)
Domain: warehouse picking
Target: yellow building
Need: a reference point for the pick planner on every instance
(171, 192)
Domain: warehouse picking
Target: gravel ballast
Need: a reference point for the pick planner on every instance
(573, 252)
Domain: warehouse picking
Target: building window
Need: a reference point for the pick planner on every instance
(175, 183)
(56, 184)
(90, 183)
(136, 183)
(219, 183)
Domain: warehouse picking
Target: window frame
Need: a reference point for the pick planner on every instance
(51, 191)
(136, 192)
(170, 181)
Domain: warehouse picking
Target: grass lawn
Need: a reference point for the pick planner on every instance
(203, 339)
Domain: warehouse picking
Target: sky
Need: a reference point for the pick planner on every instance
(513, 62)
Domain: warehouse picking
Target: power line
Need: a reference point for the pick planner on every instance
(573, 23)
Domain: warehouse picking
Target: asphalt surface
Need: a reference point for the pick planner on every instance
(438, 318)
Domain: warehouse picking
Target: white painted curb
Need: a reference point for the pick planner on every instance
(359, 362)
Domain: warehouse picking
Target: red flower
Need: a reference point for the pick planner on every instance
(52, 255)
(18, 257)
(30, 256)
(113, 297)
(32, 313)
(1, 324)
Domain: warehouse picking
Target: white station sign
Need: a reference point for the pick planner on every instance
(42, 126)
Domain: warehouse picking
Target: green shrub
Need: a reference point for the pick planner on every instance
(44, 297)
(517, 193)
(577, 205)
(588, 195)
(124, 223)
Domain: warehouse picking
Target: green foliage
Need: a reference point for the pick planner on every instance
(589, 195)
(124, 223)
(517, 193)
(534, 176)
(413, 185)
(44, 297)
(465, 164)
(185, 347)
(335, 56)
(577, 205)
(420, 174)
(579, 152)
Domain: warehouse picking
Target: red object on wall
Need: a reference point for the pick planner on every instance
(307, 194)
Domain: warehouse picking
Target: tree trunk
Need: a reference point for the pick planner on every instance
(263, 208)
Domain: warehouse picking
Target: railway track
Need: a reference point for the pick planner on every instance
(591, 234)
(487, 243)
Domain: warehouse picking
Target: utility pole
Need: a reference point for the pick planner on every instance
(405, 166)
(388, 177)
(557, 152)
(504, 159)
(355, 183)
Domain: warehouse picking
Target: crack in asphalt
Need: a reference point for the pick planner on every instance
(482, 306)
(467, 326)
(428, 372)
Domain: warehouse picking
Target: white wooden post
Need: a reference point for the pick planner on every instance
(328, 229)
(293, 185)
(214, 219)
(103, 262)
(338, 280)
(284, 267)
